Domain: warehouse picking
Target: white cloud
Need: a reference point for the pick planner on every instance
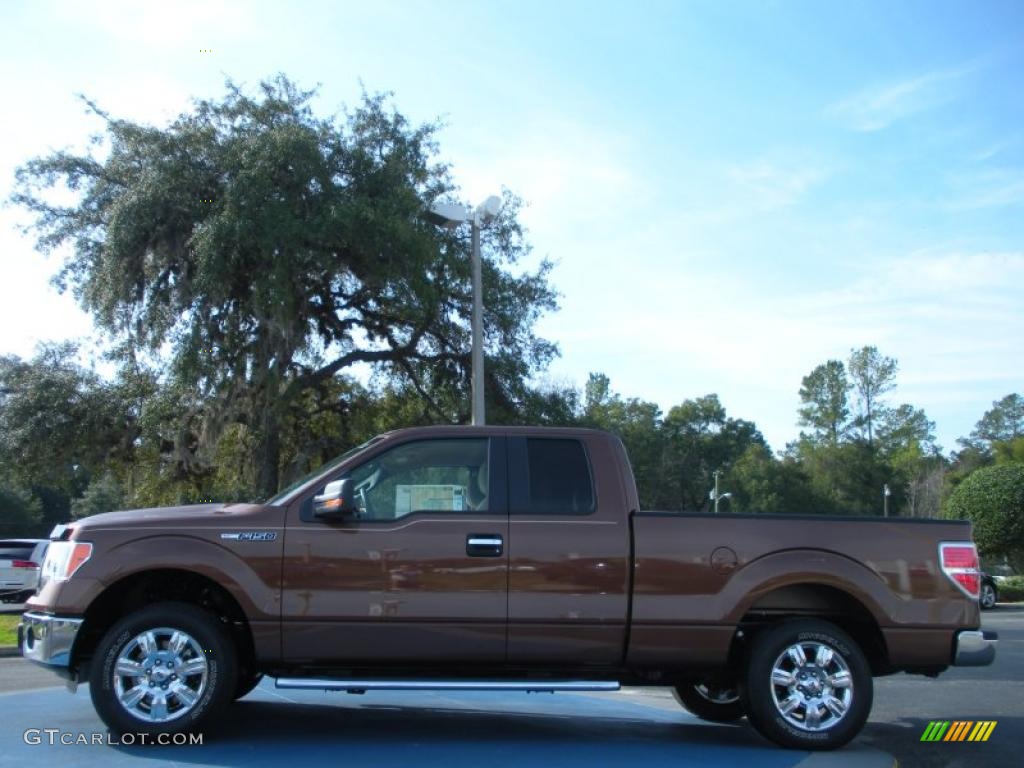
(777, 185)
(578, 181)
(31, 310)
(189, 24)
(879, 106)
(953, 320)
(994, 188)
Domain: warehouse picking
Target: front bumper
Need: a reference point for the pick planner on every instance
(974, 648)
(47, 639)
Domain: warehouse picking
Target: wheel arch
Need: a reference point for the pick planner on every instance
(146, 587)
(809, 598)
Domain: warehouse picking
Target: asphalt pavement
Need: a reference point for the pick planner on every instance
(905, 704)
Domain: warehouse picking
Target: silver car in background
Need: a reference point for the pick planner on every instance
(20, 562)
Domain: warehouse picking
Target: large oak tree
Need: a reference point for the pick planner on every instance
(268, 251)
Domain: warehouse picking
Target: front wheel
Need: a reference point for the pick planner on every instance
(714, 702)
(808, 685)
(163, 669)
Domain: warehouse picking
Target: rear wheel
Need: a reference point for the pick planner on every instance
(808, 685)
(163, 669)
(988, 596)
(716, 702)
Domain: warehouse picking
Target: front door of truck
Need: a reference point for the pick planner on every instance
(419, 574)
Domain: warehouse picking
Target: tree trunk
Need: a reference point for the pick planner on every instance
(268, 452)
(268, 449)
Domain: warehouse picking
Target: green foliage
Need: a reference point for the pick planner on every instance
(273, 250)
(848, 477)
(905, 434)
(824, 401)
(58, 421)
(1009, 451)
(1003, 422)
(1011, 589)
(103, 494)
(761, 483)
(850, 458)
(9, 631)
(20, 512)
(700, 438)
(638, 425)
(872, 376)
(993, 499)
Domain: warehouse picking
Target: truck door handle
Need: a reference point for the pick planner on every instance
(484, 545)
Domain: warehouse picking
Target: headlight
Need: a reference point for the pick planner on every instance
(63, 558)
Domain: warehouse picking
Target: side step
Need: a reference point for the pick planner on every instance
(360, 686)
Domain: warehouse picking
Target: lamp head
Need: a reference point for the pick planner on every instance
(448, 215)
(488, 209)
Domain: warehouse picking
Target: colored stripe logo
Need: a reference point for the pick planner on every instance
(958, 730)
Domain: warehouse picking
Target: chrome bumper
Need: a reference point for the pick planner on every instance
(47, 639)
(974, 648)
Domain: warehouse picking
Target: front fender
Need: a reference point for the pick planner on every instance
(252, 577)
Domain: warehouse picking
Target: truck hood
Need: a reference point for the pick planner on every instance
(189, 516)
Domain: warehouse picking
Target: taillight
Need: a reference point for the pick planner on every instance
(959, 561)
(23, 564)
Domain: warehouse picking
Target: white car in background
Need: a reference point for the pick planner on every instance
(20, 561)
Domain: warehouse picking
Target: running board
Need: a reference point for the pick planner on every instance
(530, 686)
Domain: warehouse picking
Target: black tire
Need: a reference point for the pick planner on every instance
(211, 692)
(989, 596)
(246, 682)
(764, 698)
(714, 702)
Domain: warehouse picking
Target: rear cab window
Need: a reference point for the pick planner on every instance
(551, 476)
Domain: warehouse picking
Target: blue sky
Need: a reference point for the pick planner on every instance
(732, 192)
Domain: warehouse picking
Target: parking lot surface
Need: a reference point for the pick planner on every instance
(385, 730)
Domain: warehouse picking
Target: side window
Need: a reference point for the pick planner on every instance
(559, 478)
(427, 475)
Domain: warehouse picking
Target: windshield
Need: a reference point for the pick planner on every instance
(283, 494)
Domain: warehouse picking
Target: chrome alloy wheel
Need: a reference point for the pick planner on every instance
(811, 686)
(160, 674)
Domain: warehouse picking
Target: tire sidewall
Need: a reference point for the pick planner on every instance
(756, 691)
(205, 628)
(986, 590)
(696, 704)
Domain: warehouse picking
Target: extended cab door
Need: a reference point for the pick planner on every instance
(420, 574)
(568, 550)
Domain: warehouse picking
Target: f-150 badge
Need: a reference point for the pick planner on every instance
(250, 536)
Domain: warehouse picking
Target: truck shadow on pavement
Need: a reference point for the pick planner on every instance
(257, 733)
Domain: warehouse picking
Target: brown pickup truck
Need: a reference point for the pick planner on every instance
(500, 558)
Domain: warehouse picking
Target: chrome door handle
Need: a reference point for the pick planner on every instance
(484, 545)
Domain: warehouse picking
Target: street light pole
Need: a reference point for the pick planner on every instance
(715, 495)
(885, 495)
(478, 322)
(451, 215)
